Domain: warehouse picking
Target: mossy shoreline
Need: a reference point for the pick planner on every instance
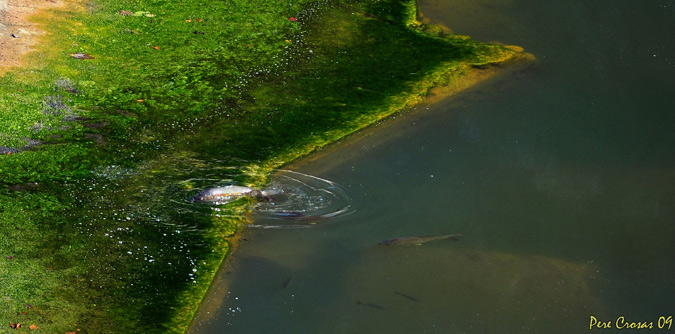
(441, 85)
(178, 96)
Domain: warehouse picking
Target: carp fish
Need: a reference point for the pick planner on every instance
(230, 193)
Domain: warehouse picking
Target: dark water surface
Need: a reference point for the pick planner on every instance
(561, 180)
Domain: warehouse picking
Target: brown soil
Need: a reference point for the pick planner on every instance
(18, 35)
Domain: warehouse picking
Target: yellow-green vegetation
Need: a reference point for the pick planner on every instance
(133, 106)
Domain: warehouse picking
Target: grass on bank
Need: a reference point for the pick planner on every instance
(91, 235)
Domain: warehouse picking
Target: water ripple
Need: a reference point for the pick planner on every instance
(303, 200)
(300, 200)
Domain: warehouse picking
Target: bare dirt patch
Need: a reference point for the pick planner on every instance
(18, 35)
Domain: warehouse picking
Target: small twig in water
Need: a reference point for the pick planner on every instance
(375, 306)
(406, 296)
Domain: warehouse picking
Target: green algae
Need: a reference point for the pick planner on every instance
(198, 89)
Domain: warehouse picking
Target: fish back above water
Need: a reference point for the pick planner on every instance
(224, 194)
(408, 241)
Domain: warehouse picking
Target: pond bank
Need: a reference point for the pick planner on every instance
(171, 103)
(440, 85)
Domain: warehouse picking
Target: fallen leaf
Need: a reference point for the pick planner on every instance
(125, 12)
(199, 20)
(188, 20)
(33, 327)
(156, 47)
(9, 257)
(143, 13)
(81, 56)
(139, 100)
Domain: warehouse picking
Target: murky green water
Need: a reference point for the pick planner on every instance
(561, 180)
